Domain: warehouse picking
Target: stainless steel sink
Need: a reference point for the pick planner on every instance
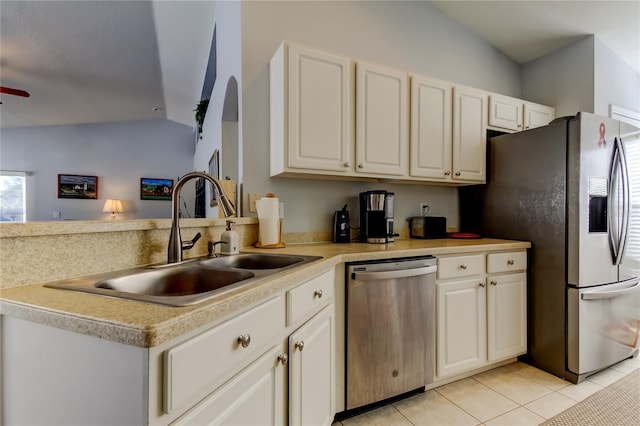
(186, 283)
(182, 281)
(254, 261)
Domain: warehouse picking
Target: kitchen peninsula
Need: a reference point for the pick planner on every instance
(141, 355)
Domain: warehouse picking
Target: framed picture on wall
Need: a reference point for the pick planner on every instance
(214, 170)
(78, 186)
(155, 189)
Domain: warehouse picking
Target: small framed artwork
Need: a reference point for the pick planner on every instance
(155, 189)
(214, 170)
(78, 186)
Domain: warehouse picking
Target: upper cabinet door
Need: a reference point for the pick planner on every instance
(505, 112)
(430, 149)
(319, 110)
(536, 115)
(381, 119)
(469, 134)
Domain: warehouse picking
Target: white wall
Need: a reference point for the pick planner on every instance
(229, 65)
(616, 81)
(412, 36)
(584, 76)
(118, 153)
(564, 78)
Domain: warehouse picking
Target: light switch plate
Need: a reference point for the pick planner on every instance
(252, 202)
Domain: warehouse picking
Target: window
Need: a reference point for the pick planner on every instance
(633, 166)
(13, 187)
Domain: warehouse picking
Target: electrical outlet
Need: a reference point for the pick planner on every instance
(252, 202)
(423, 208)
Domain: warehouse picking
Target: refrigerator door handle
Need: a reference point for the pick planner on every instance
(612, 213)
(595, 295)
(626, 199)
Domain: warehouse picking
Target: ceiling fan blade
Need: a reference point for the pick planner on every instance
(16, 92)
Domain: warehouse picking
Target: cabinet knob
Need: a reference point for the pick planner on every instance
(361, 166)
(457, 173)
(283, 359)
(299, 345)
(463, 267)
(494, 283)
(318, 294)
(510, 262)
(482, 285)
(346, 164)
(244, 340)
(447, 173)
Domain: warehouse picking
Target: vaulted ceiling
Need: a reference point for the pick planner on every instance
(103, 61)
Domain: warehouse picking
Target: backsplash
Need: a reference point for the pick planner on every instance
(40, 252)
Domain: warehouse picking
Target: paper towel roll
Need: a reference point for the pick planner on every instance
(268, 220)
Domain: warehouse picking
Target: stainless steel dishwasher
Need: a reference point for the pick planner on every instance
(390, 328)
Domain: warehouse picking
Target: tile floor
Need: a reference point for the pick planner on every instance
(515, 394)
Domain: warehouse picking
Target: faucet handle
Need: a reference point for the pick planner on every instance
(211, 247)
(186, 245)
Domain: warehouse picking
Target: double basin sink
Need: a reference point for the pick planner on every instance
(186, 283)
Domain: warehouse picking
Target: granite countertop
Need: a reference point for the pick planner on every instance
(148, 325)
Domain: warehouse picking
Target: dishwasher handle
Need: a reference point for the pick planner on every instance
(400, 273)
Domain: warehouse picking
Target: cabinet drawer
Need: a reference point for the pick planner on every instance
(506, 262)
(304, 300)
(460, 266)
(196, 367)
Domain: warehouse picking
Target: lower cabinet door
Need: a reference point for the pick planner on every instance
(506, 316)
(462, 324)
(255, 396)
(312, 371)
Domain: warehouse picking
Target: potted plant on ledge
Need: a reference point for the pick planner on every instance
(201, 111)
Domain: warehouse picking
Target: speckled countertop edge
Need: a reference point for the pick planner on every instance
(148, 325)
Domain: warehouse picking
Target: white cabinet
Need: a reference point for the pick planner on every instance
(506, 315)
(511, 114)
(312, 371)
(506, 304)
(461, 326)
(481, 319)
(381, 120)
(431, 128)
(448, 131)
(192, 369)
(253, 397)
(469, 134)
(536, 115)
(310, 105)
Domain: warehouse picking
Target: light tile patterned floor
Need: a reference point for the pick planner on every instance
(514, 395)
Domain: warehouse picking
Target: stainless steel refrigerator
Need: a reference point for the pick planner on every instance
(572, 188)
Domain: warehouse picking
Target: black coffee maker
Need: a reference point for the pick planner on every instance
(376, 217)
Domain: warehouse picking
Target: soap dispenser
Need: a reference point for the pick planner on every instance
(229, 240)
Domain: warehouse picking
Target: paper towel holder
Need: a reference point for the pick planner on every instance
(280, 243)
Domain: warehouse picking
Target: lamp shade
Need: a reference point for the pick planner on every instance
(113, 206)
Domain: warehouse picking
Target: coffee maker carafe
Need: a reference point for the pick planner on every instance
(376, 217)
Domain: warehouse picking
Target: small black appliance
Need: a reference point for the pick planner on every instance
(341, 227)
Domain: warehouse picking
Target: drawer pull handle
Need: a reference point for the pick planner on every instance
(510, 262)
(463, 267)
(494, 283)
(482, 285)
(284, 359)
(458, 173)
(346, 164)
(244, 340)
(299, 345)
(447, 173)
(318, 294)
